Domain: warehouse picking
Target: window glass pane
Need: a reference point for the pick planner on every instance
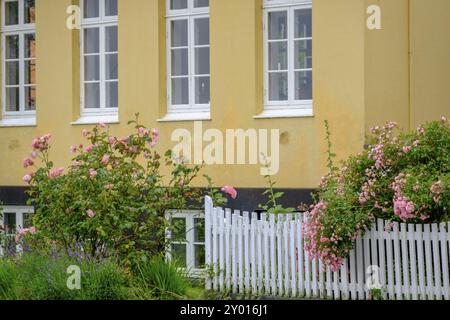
(91, 8)
(10, 222)
(111, 39)
(278, 25)
(11, 13)
(91, 68)
(178, 4)
(199, 256)
(30, 45)
(303, 26)
(112, 95)
(91, 40)
(179, 254)
(199, 230)
(111, 67)
(278, 86)
(27, 220)
(202, 92)
(12, 99)
(179, 33)
(92, 95)
(180, 62)
(201, 3)
(30, 98)
(202, 60)
(110, 7)
(303, 85)
(179, 229)
(278, 58)
(12, 73)
(201, 31)
(180, 91)
(303, 54)
(30, 71)
(12, 47)
(29, 11)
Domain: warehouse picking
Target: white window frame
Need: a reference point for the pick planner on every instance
(103, 114)
(21, 117)
(19, 211)
(195, 111)
(290, 107)
(190, 242)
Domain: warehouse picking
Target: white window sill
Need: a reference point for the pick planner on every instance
(285, 113)
(18, 122)
(186, 116)
(96, 119)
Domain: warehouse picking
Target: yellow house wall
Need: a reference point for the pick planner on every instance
(345, 93)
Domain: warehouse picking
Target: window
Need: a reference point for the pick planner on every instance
(188, 56)
(14, 219)
(188, 240)
(288, 54)
(99, 58)
(19, 60)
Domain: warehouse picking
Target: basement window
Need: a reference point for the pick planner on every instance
(99, 62)
(187, 241)
(13, 220)
(18, 63)
(288, 85)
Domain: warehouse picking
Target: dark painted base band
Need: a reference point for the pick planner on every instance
(248, 198)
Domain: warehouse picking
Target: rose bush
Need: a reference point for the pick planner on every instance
(399, 177)
(112, 199)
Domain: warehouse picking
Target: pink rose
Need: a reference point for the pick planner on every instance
(55, 173)
(231, 191)
(73, 149)
(27, 178)
(90, 213)
(85, 133)
(92, 173)
(33, 154)
(27, 162)
(105, 159)
(406, 149)
(102, 125)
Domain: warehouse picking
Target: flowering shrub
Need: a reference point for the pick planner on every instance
(399, 177)
(112, 199)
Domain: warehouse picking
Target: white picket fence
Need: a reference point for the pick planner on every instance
(264, 255)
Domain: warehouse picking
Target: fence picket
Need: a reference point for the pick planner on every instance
(299, 254)
(360, 268)
(266, 254)
(286, 255)
(273, 254)
(260, 249)
(353, 275)
(390, 265)
(413, 259)
(421, 261)
(405, 262)
(445, 266)
(221, 218)
(280, 255)
(215, 249)
(246, 253)
(209, 206)
(428, 262)
(382, 255)
(253, 265)
(227, 237)
(234, 254)
(397, 261)
(240, 254)
(436, 263)
(307, 270)
(293, 257)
